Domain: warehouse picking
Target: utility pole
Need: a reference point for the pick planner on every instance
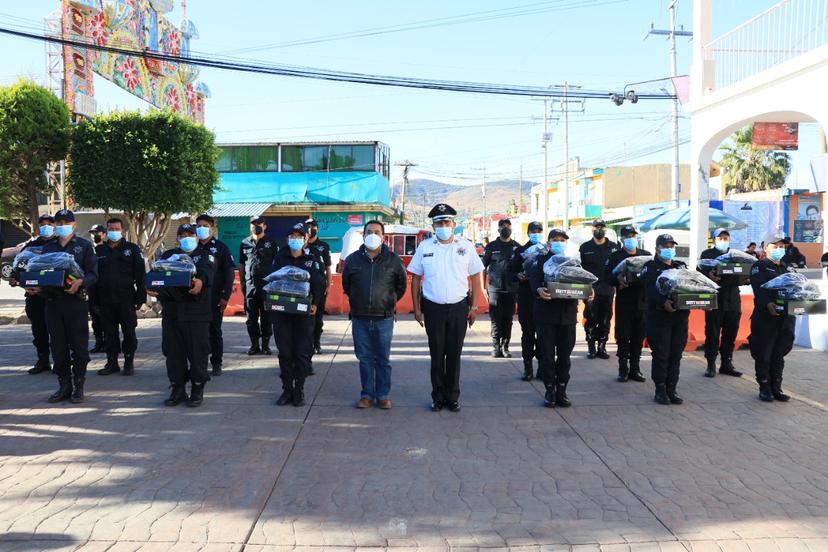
(671, 34)
(406, 165)
(565, 101)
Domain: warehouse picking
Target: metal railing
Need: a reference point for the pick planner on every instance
(781, 33)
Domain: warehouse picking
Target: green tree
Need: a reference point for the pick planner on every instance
(147, 165)
(750, 169)
(34, 132)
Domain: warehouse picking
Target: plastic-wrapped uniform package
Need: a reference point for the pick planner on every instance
(175, 263)
(292, 288)
(531, 254)
(736, 256)
(682, 280)
(563, 269)
(793, 286)
(21, 260)
(291, 273)
(631, 265)
(55, 261)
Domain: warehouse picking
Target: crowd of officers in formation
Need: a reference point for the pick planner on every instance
(446, 286)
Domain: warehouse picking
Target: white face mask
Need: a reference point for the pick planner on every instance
(372, 241)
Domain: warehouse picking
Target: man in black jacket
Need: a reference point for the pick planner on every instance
(222, 285)
(630, 307)
(120, 292)
(555, 321)
(294, 331)
(185, 323)
(722, 324)
(256, 254)
(598, 310)
(374, 279)
(501, 288)
(35, 303)
(526, 299)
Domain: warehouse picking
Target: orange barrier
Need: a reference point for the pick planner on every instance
(236, 303)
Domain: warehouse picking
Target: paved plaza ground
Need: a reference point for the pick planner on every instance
(616, 472)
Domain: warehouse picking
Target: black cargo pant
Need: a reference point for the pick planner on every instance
(445, 326)
(36, 312)
(317, 324)
(216, 335)
(597, 317)
(258, 321)
(97, 323)
(667, 335)
(555, 342)
(294, 338)
(720, 330)
(501, 313)
(526, 317)
(629, 329)
(119, 316)
(67, 322)
(185, 345)
(771, 338)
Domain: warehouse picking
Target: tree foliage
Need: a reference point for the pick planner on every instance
(147, 165)
(751, 169)
(34, 131)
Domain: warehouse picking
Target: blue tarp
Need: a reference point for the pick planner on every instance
(304, 187)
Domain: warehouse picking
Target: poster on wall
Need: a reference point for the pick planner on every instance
(808, 223)
(758, 215)
(776, 136)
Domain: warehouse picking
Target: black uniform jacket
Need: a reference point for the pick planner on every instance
(179, 304)
(121, 273)
(554, 311)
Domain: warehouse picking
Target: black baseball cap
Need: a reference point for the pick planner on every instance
(557, 232)
(535, 226)
(298, 227)
(628, 231)
(599, 222)
(186, 227)
(665, 239)
(257, 219)
(65, 215)
(311, 222)
(97, 228)
(719, 231)
(46, 218)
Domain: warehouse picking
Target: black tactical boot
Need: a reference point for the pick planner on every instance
(527, 371)
(497, 352)
(254, 347)
(110, 368)
(560, 396)
(98, 348)
(765, 392)
(590, 349)
(635, 370)
(129, 365)
(672, 395)
(506, 352)
(661, 395)
(64, 391)
(778, 394)
(266, 347)
(711, 368)
(549, 398)
(216, 369)
(42, 365)
(285, 398)
(77, 390)
(178, 394)
(602, 350)
(196, 394)
(623, 369)
(728, 369)
(299, 396)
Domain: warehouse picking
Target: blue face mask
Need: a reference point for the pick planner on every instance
(65, 230)
(444, 232)
(203, 232)
(630, 244)
(776, 254)
(188, 243)
(296, 244)
(47, 231)
(557, 247)
(668, 254)
(722, 245)
(535, 238)
(114, 235)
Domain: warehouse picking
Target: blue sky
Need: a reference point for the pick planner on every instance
(598, 44)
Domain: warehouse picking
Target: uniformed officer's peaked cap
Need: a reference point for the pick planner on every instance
(442, 211)
(65, 215)
(557, 232)
(46, 218)
(535, 226)
(628, 231)
(186, 227)
(97, 228)
(774, 236)
(664, 239)
(298, 227)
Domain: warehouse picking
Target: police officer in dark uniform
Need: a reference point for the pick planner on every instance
(630, 307)
(121, 292)
(666, 326)
(526, 299)
(501, 288)
(67, 314)
(771, 333)
(98, 236)
(722, 324)
(294, 331)
(185, 323)
(323, 252)
(256, 255)
(222, 285)
(555, 321)
(35, 304)
(598, 310)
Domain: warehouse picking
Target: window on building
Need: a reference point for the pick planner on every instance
(248, 159)
(315, 158)
(352, 158)
(292, 159)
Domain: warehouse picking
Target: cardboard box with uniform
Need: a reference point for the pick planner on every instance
(561, 290)
(287, 304)
(798, 308)
(695, 301)
(157, 279)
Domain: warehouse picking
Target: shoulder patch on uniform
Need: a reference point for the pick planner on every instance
(196, 258)
(267, 245)
(128, 253)
(77, 249)
(755, 269)
(211, 258)
(309, 264)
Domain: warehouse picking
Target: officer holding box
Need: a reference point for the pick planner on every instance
(67, 313)
(295, 331)
(771, 333)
